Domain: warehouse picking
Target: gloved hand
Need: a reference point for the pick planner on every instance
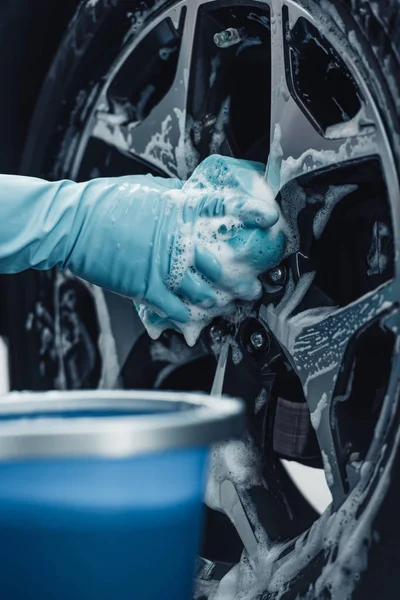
(186, 250)
(231, 234)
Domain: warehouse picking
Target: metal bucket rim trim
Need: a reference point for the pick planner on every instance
(209, 420)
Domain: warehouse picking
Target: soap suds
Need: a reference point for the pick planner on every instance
(344, 537)
(350, 127)
(214, 234)
(137, 20)
(236, 460)
(236, 353)
(327, 468)
(293, 201)
(313, 159)
(378, 258)
(260, 400)
(317, 413)
(236, 467)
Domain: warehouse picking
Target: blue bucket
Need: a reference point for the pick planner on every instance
(101, 492)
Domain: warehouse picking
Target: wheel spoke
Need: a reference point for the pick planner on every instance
(316, 342)
(159, 140)
(297, 146)
(229, 490)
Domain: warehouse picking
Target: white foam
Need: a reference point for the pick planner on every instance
(327, 468)
(317, 413)
(378, 259)
(344, 536)
(212, 234)
(160, 150)
(312, 159)
(137, 20)
(349, 128)
(237, 354)
(236, 460)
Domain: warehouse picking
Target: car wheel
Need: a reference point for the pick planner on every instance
(311, 89)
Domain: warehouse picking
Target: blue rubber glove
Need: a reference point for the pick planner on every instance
(231, 233)
(169, 245)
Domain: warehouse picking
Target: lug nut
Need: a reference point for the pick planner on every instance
(277, 275)
(258, 340)
(216, 334)
(229, 37)
(209, 120)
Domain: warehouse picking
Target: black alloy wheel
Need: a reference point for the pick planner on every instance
(310, 89)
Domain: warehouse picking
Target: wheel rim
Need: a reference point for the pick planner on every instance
(167, 140)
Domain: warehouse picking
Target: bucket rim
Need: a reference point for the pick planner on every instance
(172, 420)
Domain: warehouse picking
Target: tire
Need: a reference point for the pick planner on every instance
(91, 45)
(34, 31)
